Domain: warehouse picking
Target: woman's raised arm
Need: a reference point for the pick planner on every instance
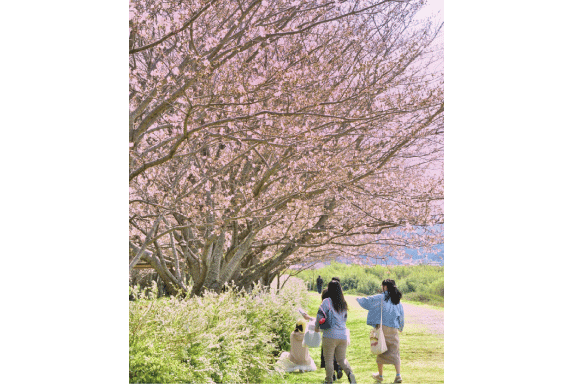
(365, 302)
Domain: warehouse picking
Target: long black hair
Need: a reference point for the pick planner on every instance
(324, 294)
(335, 293)
(393, 293)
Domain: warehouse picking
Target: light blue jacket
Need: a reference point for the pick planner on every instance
(338, 326)
(392, 314)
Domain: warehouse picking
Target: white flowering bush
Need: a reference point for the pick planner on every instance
(234, 336)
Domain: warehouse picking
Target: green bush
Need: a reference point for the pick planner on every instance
(234, 336)
(370, 285)
(425, 297)
(367, 280)
(437, 287)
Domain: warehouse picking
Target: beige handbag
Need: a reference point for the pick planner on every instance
(377, 340)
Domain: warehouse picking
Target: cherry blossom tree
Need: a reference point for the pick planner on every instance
(265, 134)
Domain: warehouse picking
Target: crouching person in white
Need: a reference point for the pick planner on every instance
(298, 359)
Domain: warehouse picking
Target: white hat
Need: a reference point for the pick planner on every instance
(312, 339)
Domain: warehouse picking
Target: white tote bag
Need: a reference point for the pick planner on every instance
(377, 340)
(312, 339)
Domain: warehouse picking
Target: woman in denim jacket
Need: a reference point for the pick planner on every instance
(392, 321)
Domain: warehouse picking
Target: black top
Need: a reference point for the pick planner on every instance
(319, 281)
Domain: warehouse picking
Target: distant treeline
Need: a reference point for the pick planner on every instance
(424, 283)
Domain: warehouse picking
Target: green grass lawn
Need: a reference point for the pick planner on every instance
(422, 353)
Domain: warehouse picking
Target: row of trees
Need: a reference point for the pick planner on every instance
(265, 134)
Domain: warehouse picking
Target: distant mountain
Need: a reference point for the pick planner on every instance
(412, 258)
(425, 258)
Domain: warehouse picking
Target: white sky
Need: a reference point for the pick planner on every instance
(432, 7)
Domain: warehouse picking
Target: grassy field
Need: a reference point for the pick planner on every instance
(422, 353)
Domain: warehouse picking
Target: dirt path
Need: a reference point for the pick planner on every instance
(431, 319)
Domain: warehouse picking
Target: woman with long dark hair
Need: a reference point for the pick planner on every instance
(337, 368)
(387, 306)
(335, 338)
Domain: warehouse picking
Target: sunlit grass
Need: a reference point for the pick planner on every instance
(235, 338)
(422, 353)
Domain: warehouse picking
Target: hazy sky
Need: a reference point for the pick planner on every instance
(432, 7)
